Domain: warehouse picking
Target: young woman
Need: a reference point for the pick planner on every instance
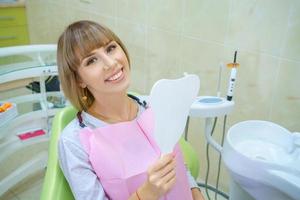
(108, 152)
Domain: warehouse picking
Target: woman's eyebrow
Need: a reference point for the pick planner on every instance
(110, 42)
(86, 57)
(89, 55)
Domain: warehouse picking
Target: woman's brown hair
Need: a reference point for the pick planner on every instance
(75, 43)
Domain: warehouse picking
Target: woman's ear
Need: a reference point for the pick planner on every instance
(81, 83)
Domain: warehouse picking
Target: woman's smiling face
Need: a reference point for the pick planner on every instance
(105, 70)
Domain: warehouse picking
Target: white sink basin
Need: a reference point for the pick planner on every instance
(264, 159)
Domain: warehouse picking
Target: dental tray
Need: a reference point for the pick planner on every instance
(8, 114)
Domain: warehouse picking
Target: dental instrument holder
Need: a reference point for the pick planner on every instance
(232, 78)
(209, 107)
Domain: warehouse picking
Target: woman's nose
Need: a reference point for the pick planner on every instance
(109, 62)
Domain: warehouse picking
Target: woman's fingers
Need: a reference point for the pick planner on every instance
(166, 169)
(168, 176)
(157, 175)
(164, 160)
(162, 175)
(170, 183)
(162, 180)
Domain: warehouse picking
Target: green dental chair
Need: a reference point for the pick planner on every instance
(55, 186)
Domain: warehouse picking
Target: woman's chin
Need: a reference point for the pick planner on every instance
(119, 88)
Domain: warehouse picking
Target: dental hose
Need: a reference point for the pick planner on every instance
(220, 156)
(205, 184)
(207, 159)
(216, 189)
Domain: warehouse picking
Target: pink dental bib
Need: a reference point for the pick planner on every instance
(121, 154)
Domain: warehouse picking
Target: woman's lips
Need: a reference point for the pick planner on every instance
(117, 77)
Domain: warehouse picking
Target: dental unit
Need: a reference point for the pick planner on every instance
(210, 108)
(262, 157)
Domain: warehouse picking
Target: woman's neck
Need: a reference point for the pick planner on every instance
(114, 108)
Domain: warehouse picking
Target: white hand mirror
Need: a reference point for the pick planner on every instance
(170, 101)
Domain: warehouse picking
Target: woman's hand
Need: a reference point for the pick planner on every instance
(161, 178)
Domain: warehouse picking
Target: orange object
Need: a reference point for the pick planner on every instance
(5, 106)
(233, 65)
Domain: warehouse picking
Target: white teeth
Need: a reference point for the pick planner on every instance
(115, 77)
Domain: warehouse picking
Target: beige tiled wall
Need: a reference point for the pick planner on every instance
(167, 38)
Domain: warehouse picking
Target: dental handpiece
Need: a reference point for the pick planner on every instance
(231, 84)
(232, 79)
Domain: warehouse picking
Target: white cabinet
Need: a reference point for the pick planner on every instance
(32, 124)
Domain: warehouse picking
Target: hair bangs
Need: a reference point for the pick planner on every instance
(85, 40)
(89, 40)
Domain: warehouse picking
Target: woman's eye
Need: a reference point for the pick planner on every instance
(110, 48)
(91, 61)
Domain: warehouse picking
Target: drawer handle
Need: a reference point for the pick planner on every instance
(7, 37)
(4, 18)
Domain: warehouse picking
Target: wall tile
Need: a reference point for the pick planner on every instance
(139, 78)
(57, 2)
(286, 101)
(110, 22)
(291, 49)
(104, 7)
(162, 52)
(57, 25)
(38, 29)
(100, 7)
(78, 4)
(203, 59)
(132, 10)
(165, 14)
(206, 19)
(134, 37)
(162, 44)
(160, 68)
(76, 14)
(258, 25)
